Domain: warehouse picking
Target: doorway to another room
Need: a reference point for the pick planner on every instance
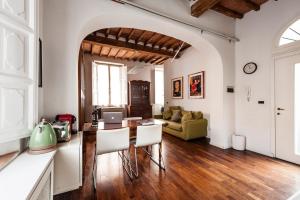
(118, 66)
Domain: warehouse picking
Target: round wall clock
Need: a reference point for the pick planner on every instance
(250, 68)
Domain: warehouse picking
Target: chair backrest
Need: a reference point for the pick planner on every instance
(112, 140)
(148, 135)
(133, 118)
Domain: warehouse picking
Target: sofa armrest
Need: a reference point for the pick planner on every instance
(194, 128)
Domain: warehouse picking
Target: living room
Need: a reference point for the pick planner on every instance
(221, 76)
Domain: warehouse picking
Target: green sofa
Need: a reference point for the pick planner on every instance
(194, 127)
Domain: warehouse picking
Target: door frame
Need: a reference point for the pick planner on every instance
(283, 52)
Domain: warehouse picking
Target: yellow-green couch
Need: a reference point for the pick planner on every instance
(187, 128)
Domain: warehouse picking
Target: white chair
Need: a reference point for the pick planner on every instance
(133, 118)
(148, 136)
(115, 140)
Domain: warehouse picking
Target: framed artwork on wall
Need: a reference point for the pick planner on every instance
(177, 88)
(40, 69)
(196, 85)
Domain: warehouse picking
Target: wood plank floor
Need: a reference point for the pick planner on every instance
(194, 170)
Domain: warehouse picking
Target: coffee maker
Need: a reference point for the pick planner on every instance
(95, 115)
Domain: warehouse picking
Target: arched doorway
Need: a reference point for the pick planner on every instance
(216, 102)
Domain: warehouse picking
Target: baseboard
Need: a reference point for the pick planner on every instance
(219, 145)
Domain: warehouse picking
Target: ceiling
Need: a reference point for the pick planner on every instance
(133, 45)
(231, 8)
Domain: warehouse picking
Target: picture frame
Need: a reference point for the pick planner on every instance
(40, 67)
(196, 84)
(177, 88)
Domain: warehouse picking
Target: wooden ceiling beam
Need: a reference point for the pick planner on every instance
(107, 32)
(250, 4)
(116, 43)
(100, 50)
(158, 41)
(142, 58)
(141, 36)
(150, 58)
(228, 12)
(117, 53)
(201, 6)
(162, 61)
(119, 33)
(158, 60)
(165, 43)
(130, 35)
(147, 41)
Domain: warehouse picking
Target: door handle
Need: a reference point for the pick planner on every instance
(280, 109)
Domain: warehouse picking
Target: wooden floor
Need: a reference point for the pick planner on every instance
(194, 170)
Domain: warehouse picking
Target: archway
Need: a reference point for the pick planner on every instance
(186, 34)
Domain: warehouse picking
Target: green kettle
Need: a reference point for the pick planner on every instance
(43, 138)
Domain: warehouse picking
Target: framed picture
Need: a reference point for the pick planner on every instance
(177, 88)
(40, 70)
(196, 85)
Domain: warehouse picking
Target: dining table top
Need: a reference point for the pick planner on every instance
(132, 124)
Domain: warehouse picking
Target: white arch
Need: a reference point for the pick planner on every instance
(196, 40)
(82, 19)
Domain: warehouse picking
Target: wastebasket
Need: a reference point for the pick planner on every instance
(239, 142)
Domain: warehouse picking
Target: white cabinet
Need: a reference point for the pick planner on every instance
(68, 165)
(44, 189)
(38, 177)
(28, 177)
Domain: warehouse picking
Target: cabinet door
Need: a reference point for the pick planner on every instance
(44, 189)
(67, 169)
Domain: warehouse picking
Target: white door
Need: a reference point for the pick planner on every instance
(18, 38)
(287, 108)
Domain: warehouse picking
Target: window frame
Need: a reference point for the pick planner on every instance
(281, 35)
(109, 65)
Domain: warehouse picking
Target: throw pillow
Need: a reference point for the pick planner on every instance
(183, 112)
(176, 116)
(167, 114)
(174, 108)
(186, 117)
(197, 115)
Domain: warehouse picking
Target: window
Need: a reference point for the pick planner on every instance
(159, 86)
(109, 84)
(292, 34)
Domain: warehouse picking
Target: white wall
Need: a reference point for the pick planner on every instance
(257, 32)
(67, 22)
(193, 61)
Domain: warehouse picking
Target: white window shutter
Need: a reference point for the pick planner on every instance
(18, 49)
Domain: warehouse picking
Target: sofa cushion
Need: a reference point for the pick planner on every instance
(175, 126)
(167, 114)
(174, 108)
(176, 116)
(187, 116)
(197, 115)
(183, 112)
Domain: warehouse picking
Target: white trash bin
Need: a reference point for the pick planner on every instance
(239, 142)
